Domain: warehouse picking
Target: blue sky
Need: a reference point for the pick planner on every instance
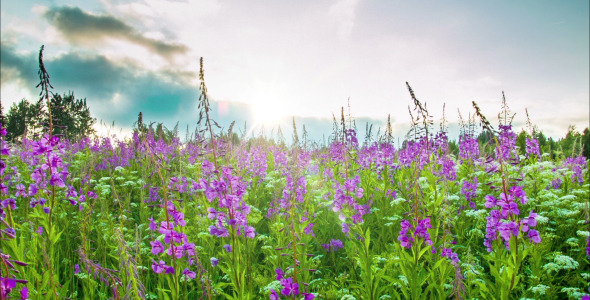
(267, 61)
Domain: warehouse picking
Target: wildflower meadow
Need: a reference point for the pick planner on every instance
(218, 216)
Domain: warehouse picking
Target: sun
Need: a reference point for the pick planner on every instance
(268, 108)
(268, 113)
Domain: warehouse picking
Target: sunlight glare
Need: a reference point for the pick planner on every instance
(269, 110)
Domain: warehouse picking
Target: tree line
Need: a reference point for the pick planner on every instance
(71, 118)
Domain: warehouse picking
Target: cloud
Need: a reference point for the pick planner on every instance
(78, 26)
(117, 92)
(14, 66)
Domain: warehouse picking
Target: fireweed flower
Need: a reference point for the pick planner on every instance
(556, 183)
(405, 241)
(334, 245)
(468, 148)
(289, 287)
(176, 244)
(416, 152)
(228, 190)
(448, 253)
(345, 203)
(254, 161)
(469, 189)
(274, 295)
(507, 140)
(158, 267)
(447, 168)
(421, 231)
(7, 284)
(577, 165)
(214, 262)
(309, 229)
(505, 221)
(532, 147)
(186, 274)
(279, 273)
(24, 293)
(157, 247)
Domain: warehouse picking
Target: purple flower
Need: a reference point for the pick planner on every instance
(446, 252)
(470, 191)
(556, 183)
(174, 250)
(214, 262)
(189, 248)
(20, 190)
(40, 230)
(468, 148)
(280, 273)
(534, 236)
(157, 247)
(227, 247)
(529, 221)
(6, 285)
(490, 201)
(10, 202)
(289, 287)
(56, 181)
(404, 241)
(532, 147)
(33, 189)
(76, 269)
(345, 229)
(336, 244)
(509, 208)
(188, 273)
(507, 230)
(159, 267)
(308, 296)
(218, 231)
(518, 193)
(249, 232)
(274, 295)
(24, 293)
(3, 187)
(309, 229)
(211, 213)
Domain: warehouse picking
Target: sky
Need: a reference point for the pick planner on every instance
(269, 61)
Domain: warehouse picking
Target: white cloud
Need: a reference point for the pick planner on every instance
(13, 92)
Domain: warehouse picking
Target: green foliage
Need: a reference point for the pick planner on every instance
(71, 118)
(23, 120)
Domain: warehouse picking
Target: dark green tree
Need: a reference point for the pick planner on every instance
(23, 120)
(71, 116)
(521, 142)
(571, 143)
(541, 139)
(586, 143)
